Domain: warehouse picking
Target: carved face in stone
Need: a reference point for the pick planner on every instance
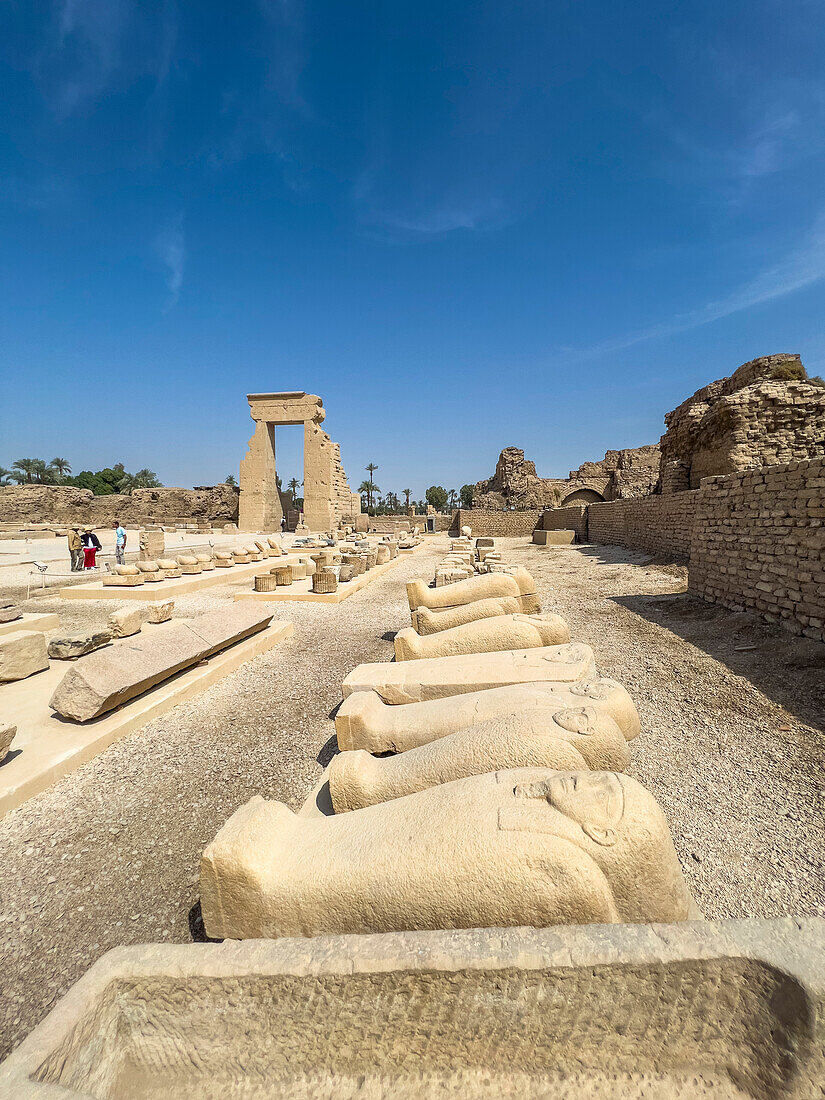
(577, 719)
(594, 800)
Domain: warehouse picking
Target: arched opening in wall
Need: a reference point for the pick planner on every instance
(583, 496)
(289, 465)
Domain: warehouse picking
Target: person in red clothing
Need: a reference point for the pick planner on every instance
(91, 545)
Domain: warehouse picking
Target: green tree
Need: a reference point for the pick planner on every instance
(467, 495)
(370, 490)
(452, 498)
(230, 480)
(5, 476)
(23, 470)
(294, 486)
(61, 468)
(407, 493)
(437, 497)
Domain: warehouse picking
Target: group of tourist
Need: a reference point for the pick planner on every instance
(84, 546)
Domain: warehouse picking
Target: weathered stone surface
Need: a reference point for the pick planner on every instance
(484, 636)
(431, 620)
(114, 676)
(64, 504)
(115, 580)
(68, 646)
(517, 582)
(22, 653)
(365, 721)
(127, 621)
(10, 613)
(437, 677)
(526, 846)
(7, 734)
(160, 612)
(565, 739)
(617, 1011)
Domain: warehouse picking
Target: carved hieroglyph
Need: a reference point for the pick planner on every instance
(437, 677)
(365, 721)
(565, 739)
(517, 582)
(484, 636)
(522, 847)
(327, 497)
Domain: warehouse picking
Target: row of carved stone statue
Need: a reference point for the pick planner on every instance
(480, 783)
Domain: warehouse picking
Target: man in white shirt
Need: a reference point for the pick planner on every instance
(120, 543)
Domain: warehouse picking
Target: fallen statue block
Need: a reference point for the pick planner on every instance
(428, 620)
(484, 636)
(718, 1009)
(365, 721)
(526, 846)
(437, 677)
(515, 582)
(7, 734)
(561, 738)
(114, 676)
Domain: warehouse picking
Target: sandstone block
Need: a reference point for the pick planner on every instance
(160, 612)
(7, 734)
(527, 846)
(426, 620)
(113, 676)
(438, 677)
(565, 739)
(69, 646)
(22, 653)
(518, 583)
(116, 581)
(365, 721)
(484, 636)
(127, 621)
(10, 613)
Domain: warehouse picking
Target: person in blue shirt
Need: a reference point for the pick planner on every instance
(120, 543)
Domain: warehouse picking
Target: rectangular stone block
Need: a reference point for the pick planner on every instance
(111, 677)
(554, 538)
(439, 677)
(22, 653)
(723, 1010)
(112, 579)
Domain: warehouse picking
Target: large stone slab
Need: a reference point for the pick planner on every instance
(365, 721)
(485, 636)
(10, 613)
(515, 582)
(437, 677)
(428, 620)
(106, 679)
(22, 653)
(706, 1010)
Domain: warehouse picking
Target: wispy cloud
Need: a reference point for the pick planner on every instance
(802, 267)
(170, 246)
(93, 43)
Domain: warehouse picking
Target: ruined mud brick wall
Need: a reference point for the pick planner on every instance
(64, 504)
(767, 413)
(495, 524)
(566, 519)
(759, 543)
(661, 525)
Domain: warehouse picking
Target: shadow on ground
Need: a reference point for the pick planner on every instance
(787, 669)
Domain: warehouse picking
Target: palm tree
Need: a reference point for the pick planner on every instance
(126, 484)
(407, 494)
(61, 467)
(294, 486)
(369, 489)
(230, 480)
(5, 475)
(452, 498)
(371, 468)
(147, 479)
(23, 470)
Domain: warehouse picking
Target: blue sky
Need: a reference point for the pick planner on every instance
(464, 225)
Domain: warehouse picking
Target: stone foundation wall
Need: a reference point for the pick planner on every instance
(661, 525)
(566, 519)
(64, 504)
(759, 543)
(495, 524)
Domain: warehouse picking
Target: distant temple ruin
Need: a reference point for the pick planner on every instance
(328, 500)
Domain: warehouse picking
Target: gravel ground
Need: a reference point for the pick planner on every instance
(732, 713)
